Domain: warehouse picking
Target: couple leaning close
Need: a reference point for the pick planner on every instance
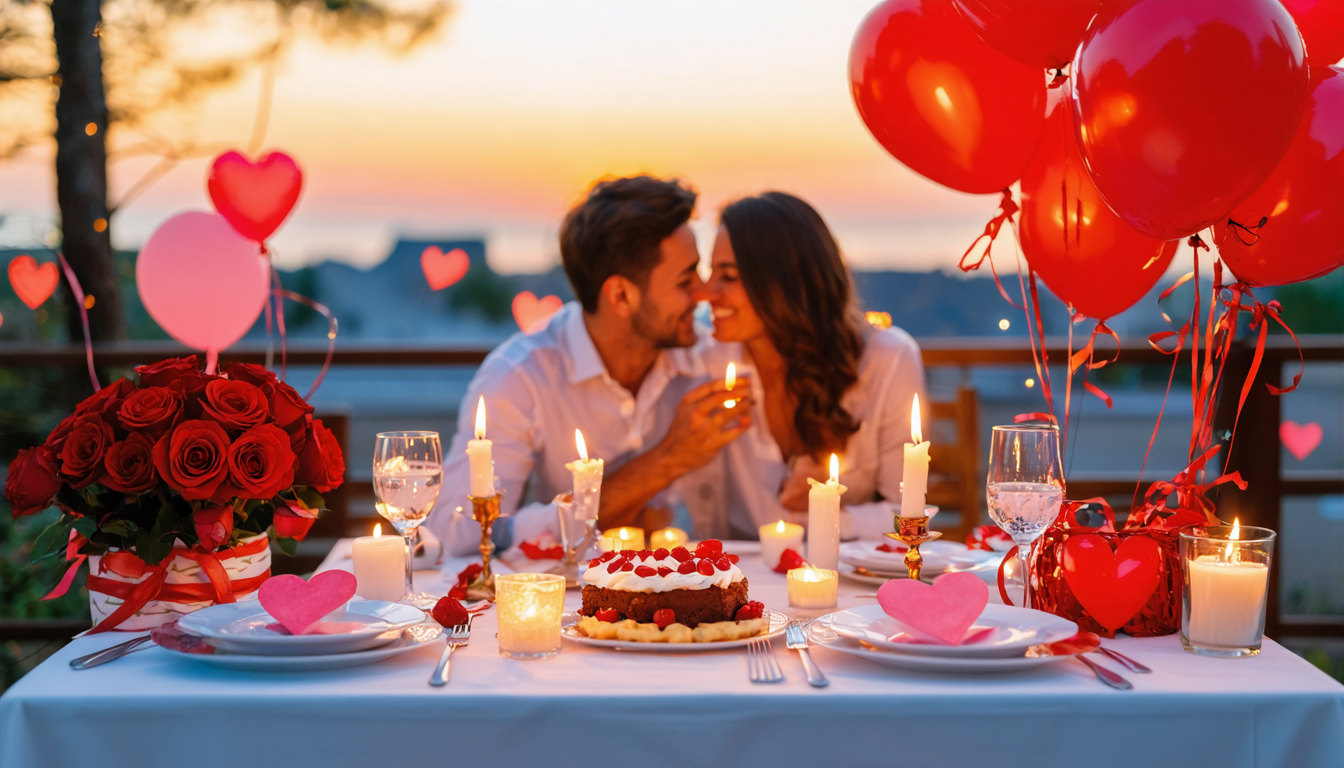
(626, 364)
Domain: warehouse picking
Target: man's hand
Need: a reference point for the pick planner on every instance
(702, 425)
(793, 494)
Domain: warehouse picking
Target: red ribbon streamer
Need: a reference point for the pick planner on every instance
(1007, 207)
(77, 291)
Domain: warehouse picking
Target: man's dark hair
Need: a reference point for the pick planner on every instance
(617, 229)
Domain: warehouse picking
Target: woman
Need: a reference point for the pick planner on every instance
(823, 380)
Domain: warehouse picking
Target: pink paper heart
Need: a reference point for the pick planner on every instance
(443, 269)
(297, 604)
(944, 611)
(1300, 439)
(33, 284)
(532, 313)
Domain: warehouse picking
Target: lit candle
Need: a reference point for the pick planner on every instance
(823, 519)
(608, 544)
(813, 587)
(667, 538)
(478, 455)
(587, 481)
(625, 538)
(915, 476)
(1225, 604)
(730, 381)
(528, 607)
(380, 566)
(777, 537)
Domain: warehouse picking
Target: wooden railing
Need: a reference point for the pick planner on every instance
(1256, 451)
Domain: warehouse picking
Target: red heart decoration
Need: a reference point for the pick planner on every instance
(1300, 439)
(297, 604)
(33, 284)
(943, 611)
(1112, 585)
(532, 313)
(255, 197)
(443, 269)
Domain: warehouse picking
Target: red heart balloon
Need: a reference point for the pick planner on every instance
(255, 197)
(1112, 586)
(33, 284)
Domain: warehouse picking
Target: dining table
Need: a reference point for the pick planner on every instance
(592, 706)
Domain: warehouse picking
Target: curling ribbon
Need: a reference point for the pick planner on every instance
(77, 291)
(1007, 208)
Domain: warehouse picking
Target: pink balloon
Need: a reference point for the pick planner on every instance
(201, 281)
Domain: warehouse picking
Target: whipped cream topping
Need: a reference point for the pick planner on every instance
(629, 582)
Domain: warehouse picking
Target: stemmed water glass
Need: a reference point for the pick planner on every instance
(1025, 486)
(407, 475)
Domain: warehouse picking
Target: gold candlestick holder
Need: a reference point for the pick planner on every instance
(485, 511)
(913, 531)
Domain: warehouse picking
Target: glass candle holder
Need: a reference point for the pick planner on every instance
(813, 588)
(1226, 582)
(529, 607)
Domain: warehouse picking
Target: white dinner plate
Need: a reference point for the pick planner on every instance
(397, 642)
(241, 628)
(777, 623)
(942, 664)
(1011, 631)
(939, 557)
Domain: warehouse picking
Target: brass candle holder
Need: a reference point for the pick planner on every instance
(913, 531)
(485, 511)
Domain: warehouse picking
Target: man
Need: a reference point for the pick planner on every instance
(611, 364)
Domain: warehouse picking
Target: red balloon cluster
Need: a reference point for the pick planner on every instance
(1179, 115)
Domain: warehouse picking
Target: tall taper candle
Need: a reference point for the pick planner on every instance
(823, 519)
(915, 476)
(478, 455)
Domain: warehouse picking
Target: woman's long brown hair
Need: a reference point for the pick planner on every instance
(791, 269)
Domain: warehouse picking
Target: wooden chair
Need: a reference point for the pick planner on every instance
(955, 468)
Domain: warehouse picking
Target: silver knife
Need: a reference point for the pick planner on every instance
(109, 654)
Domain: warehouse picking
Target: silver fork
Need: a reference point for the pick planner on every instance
(762, 666)
(458, 637)
(1125, 661)
(797, 641)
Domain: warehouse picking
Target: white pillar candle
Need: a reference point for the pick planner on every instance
(777, 537)
(813, 587)
(587, 481)
(478, 456)
(606, 543)
(915, 474)
(823, 519)
(529, 607)
(667, 538)
(1227, 600)
(380, 566)
(626, 537)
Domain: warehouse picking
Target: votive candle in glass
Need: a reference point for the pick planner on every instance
(1226, 583)
(626, 537)
(813, 588)
(667, 538)
(529, 607)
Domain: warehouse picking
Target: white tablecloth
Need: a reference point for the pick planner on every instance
(590, 707)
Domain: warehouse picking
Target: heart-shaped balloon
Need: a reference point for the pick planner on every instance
(532, 313)
(33, 284)
(1112, 585)
(1300, 439)
(255, 197)
(443, 269)
(297, 604)
(943, 611)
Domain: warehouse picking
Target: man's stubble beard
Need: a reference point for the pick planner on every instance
(645, 325)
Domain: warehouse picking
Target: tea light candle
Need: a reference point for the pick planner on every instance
(667, 538)
(480, 459)
(1225, 602)
(915, 472)
(529, 607)
(380, 566)
(813, 587)
(823, 519)
(777, 537)
(625, 537)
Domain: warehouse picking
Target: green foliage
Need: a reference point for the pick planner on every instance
(485, 293)
(22, 584)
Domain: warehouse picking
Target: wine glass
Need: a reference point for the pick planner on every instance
(1025, 487)
(407, 475)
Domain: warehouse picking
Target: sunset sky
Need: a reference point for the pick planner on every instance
(498, 124)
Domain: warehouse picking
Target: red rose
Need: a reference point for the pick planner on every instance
(82, 453)
(152, 410)
(261, 463)
(293, 522)
(129, 465)
(191, 458)
(106, 400)
(214, 525)
(251, 373)
(235, 404)
(290, 410)
(31, 482)
(191, 386)
(165, 372)
(321, 463)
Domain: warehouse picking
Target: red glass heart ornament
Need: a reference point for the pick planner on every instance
(33, 284)
(1112, 585)
(255, 197)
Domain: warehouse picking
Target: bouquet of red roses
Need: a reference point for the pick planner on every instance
(185, 463)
